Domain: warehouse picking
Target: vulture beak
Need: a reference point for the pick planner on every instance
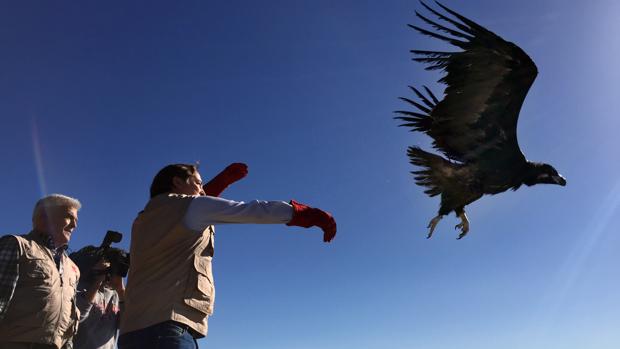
(559, 180)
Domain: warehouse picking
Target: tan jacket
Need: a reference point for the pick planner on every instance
(43, 308)
(170, 276)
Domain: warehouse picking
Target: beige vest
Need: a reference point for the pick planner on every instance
(43, 308)
(170, 276)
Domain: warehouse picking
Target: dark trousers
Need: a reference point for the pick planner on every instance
(19, 345)
(164, 335)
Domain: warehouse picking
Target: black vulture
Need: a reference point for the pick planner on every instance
(475, 124)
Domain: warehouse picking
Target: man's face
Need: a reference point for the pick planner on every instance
(193, 185)
(60, 223)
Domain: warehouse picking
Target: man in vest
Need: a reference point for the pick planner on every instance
(38, 280)
(170, 290)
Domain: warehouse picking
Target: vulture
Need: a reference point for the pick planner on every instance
(474, 126)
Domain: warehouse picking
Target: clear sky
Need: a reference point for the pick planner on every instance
(97, 96)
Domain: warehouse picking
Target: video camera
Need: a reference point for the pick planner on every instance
(87, 257)
(119, 259)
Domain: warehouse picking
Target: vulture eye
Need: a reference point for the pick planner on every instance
(543, 176)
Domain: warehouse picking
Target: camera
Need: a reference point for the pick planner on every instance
(118, 258)
(87, 257)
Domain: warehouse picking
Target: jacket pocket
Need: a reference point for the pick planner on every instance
(200, 293)
(37, 272)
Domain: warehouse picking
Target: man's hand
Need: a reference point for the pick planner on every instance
(228, 176)
(99, 270)
(305, 216)
(116, 283)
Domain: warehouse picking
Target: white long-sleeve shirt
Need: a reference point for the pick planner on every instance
(208, 210)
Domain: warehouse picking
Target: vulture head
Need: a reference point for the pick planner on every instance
(538, 173)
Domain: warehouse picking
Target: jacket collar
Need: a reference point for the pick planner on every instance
(44, 239)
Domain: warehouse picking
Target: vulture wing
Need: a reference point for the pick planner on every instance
(486, 85)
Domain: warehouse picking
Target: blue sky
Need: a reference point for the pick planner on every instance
(96, 97)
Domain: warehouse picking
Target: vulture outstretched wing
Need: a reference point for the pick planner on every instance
(486, 85)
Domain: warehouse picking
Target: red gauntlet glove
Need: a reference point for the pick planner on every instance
(305, 216)
(229, 175)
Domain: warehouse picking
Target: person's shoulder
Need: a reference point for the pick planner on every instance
(170, 197)
(167, 200)
(178, 197)
(10, 245)
(9, 240)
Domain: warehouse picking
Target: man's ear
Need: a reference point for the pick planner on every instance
(177, 182)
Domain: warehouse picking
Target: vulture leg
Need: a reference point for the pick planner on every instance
(464, 225)
(432, 224)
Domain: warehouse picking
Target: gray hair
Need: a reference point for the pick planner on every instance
(54, 200)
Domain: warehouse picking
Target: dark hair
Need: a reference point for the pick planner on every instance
(162, 183)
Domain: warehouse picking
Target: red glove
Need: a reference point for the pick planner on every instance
(228, 176)
(305, 216)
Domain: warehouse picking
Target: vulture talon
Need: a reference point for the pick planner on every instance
(464, 225)
(432, 224)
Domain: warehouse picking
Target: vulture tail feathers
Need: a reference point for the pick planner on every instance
(433, 166)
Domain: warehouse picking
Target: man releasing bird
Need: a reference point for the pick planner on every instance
(475, 125)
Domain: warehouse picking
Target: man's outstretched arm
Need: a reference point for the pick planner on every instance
(228, 176)
(208, 210)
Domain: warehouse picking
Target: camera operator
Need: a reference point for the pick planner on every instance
(100, 297)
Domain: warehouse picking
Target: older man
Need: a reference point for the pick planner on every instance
(170, 290)
(38, 280)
